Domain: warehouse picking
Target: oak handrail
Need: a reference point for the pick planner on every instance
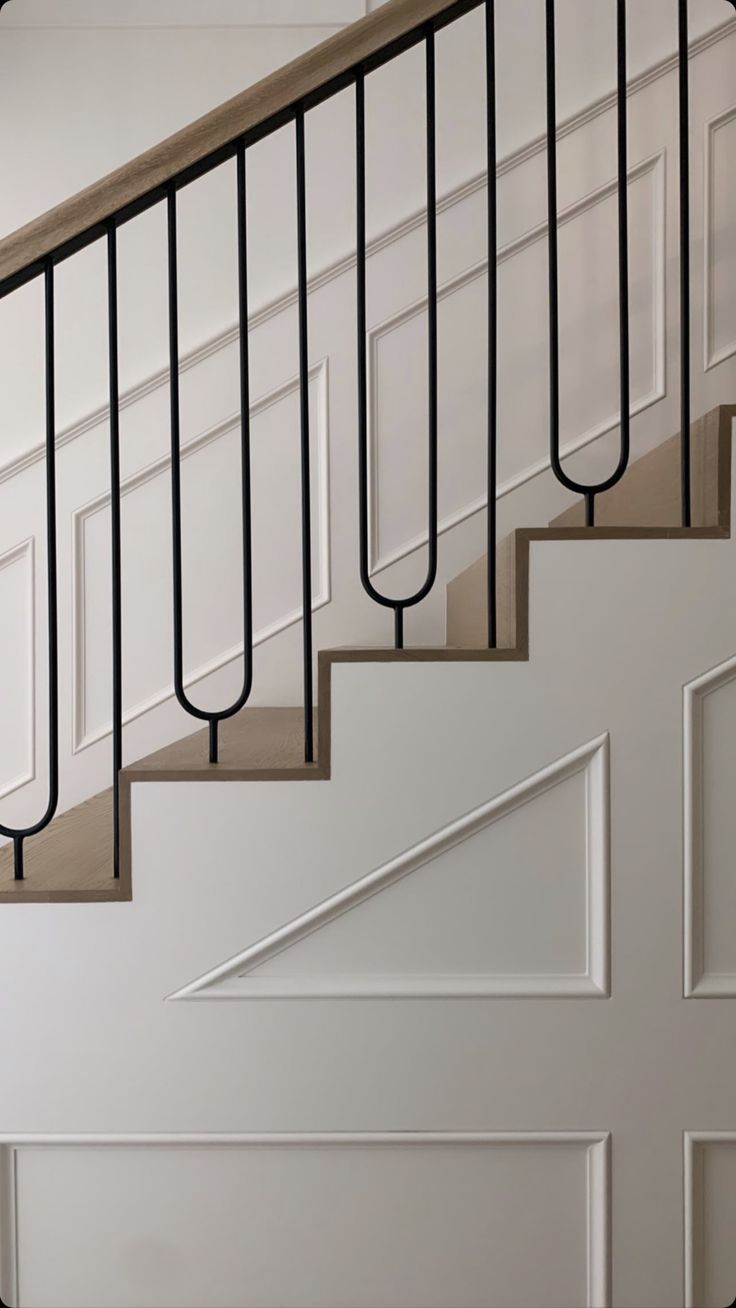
(209, 140)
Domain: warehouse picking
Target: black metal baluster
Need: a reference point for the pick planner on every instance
(301, 193)
(588, 492)
(398, 605)
(623, 235)
(245, 453)
(684, 115)
(116, 539)
(432, 306)
(553, 258)
(19, 834)
(492, 318)
(213, 718)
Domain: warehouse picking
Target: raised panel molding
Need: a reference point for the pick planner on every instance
(653, 167)
(235, 979)
(82, 736)
(698, 982)
(23, 555)
(696, 1147)
(594, 1146)
(714, 354)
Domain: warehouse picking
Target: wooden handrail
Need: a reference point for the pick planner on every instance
(321, 67)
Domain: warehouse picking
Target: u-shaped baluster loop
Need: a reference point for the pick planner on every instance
(398, 605)
(20, 834)
(580, 488)
(213, 718)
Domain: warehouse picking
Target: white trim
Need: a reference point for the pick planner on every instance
(596, 1143)
(9, 1270)
(230, 980)
(697, 982)
(26, 550)
(694, 1144)
(711, 359)
(82, 738)
(654, 165)
(346, 263)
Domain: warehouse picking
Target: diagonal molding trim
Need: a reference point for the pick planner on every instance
(233, 980)
(653, 167)
(595, 1146)
(711, 355)
(346, 263)
(23, 554)
(698, 983)
(82, 736)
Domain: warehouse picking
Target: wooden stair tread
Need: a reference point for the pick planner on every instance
(258, 740)
(71, 860)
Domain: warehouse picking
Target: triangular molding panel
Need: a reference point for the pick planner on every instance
(510, 899)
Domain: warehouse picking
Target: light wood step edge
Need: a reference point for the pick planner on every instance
(178, 762)
(648, 496)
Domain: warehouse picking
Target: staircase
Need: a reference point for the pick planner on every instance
(73, 859)
(503, 843)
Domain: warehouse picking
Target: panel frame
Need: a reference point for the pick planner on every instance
(598, 1177)
(230, 980)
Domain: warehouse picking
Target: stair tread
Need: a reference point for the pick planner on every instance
(256, 740)
(75, 847)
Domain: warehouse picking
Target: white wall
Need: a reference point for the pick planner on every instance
(397, 324)
(414, 1104)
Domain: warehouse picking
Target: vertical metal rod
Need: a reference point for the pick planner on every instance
(623, 233)
(553, 259)
(362, 363)
(684, 98)
(18, 857)
(213, 740)
(432, 543)
(492, 319)
(176, 552)
(398, 627)
(590, 509)
(51, 553)
(245, 459)
(116, 540)
(301, 191)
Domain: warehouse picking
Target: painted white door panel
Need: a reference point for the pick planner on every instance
(371, 1220)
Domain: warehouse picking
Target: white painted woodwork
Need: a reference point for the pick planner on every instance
(710, 1195)
(461, 1207)
(145, 1135)
(494, 858)
(397, 323)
